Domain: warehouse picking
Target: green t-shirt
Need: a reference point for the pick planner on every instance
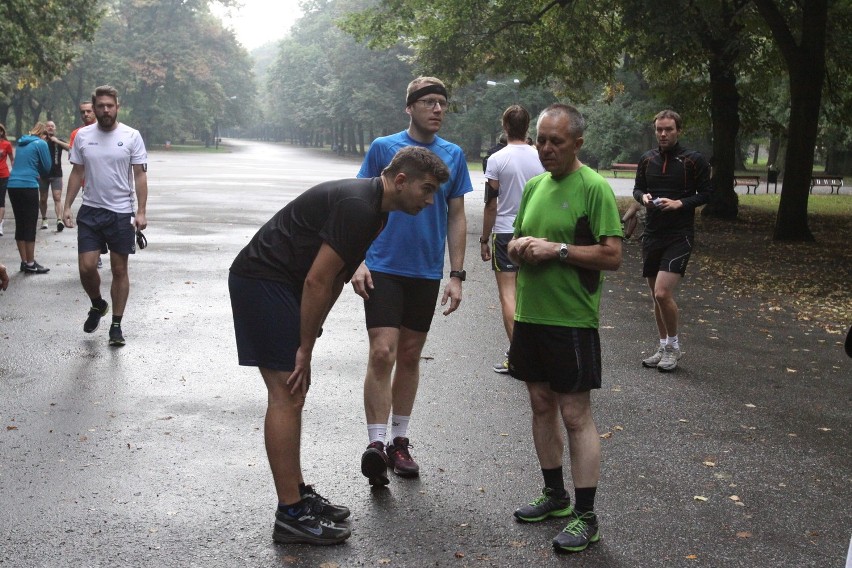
(553, 293)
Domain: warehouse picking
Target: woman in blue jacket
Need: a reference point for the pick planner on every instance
(32, 160)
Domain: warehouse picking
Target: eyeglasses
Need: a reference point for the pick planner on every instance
(432, 103)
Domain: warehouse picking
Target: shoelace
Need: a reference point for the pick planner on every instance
(577, 526)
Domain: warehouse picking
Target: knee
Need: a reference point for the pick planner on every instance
(382, 357)
(662, 295)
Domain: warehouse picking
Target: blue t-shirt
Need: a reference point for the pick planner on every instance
(413, 245)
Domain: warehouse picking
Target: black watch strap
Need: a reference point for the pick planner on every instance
(460, 274)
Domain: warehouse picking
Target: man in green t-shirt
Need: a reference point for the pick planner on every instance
(566, 232)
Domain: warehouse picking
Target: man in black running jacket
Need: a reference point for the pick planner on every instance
(671, 182)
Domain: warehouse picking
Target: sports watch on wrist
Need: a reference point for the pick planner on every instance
(563, 252)
(460, 274)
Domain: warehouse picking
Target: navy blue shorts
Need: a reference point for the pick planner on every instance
(400, 301)
(97, 228)
(267, 318)
(568, 358)
(500, 261)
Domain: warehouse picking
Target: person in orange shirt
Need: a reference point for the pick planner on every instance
(6, 155)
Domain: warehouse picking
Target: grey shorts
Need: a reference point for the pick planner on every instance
(97, 228)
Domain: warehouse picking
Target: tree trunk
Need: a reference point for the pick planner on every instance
(756, 153)
(724, 113)
(806, 66)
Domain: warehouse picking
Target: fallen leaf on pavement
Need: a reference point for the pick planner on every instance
(744, 534)
(700, 498)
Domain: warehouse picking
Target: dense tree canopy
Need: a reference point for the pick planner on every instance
(35, 34)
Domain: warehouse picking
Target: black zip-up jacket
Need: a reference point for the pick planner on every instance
(676, 174)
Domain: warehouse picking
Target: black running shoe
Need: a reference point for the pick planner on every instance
(94, 319)
(35, 268)
(60, 226)
(322, 506)
(116, 339)
(308, 528)
(374, 464)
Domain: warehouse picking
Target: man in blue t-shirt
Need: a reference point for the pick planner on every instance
(400, 281)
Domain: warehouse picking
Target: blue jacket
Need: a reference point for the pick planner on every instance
(32, 160)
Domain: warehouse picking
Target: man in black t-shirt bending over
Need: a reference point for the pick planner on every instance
(282, 286)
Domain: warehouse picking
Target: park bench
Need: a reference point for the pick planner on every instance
(623, 168)
(834, 182)
(751, 183)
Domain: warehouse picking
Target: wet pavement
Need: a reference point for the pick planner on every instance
(152, 454)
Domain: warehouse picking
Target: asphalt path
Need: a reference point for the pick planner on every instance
(153, 455)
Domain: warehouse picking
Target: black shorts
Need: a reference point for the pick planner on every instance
(400, 301)
(500, 261)
(267, 317)
(3, 182)
(98, 227)
(568, 358)
(666, 254)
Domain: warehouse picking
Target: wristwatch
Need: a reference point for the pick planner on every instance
(460, 274)
(563, 252)
(483, 240)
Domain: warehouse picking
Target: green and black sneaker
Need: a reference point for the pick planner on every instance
(548, 504)
(582, 530)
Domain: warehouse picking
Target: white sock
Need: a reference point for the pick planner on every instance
(399, 427)
(673, 341)
(377, 432)
(663, 343)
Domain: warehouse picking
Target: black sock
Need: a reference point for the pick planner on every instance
(98, 302)
(553, 480)
(116, 320)
(584, 499)
(293, 510)
(302, 488)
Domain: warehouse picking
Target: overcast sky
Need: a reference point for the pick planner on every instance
(260, 21)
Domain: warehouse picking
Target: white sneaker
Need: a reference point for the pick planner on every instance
(44, 223)
(654, 359)
(1, 228)
(670, 358)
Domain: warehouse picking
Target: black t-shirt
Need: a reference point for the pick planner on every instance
(346, 214)
(56, 157)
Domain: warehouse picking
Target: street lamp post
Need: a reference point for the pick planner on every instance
(516, 86)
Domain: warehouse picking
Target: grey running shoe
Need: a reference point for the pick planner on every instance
(322, 506)
(44, 223)
(374, 464)
(502, 368)
(309, 528)
(545, 505)
(94, 319)
(670, 358)
(582, 530)
(654, 359)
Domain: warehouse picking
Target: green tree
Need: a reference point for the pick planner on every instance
(35, 34)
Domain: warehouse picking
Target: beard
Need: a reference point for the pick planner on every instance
(106, 121)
